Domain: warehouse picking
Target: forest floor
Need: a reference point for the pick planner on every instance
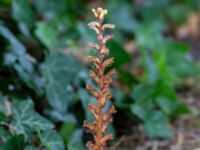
(186, 128)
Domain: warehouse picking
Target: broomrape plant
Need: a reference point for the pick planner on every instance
(103, 81)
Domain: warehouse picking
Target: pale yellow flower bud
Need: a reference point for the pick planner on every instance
(94, 25)
(108, 26)
(95, 12)
(99, 12)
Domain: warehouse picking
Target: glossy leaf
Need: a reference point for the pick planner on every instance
(118, 52)
(30, 148)
(51, 140)
(167, 105)
(4, 134)
(2, 104)
(150, 35)
(123, 11)
(14, 143)
(67, 130)
(26, 120)
(47, 34)
(17, 46)
(27, 79)
(59, 71)
(75, 142)
(156, 125)
(17, 50)
(50, 9)
(22, 12)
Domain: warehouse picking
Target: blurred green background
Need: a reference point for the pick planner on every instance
(44, 69)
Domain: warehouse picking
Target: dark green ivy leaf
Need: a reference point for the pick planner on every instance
(3, 116)
(119, 53)
(50, 9)
(22, 12)
(2, 104)
(47, 34)
(67, 129)
(17, 51)
(167, 105)
(156, 125)
(27, 79)
(59, 71)
(14, 143)
(30, 148)
(26, 120)
(150, 35)
(123, 11)
(52, 140)
(75, 142)
(4, 134)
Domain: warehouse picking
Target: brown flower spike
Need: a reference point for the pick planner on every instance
(103, 81)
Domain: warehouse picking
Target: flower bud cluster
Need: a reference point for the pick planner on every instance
(103, 81)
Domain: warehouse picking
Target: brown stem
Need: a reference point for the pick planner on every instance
(99, 126)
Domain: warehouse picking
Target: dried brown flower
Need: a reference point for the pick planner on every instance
(103, 81)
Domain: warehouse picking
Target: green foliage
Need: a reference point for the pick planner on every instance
(42, 97)
(25, 120)
(14, 143)
(68, 128)
(75, 142)
(58, 73)
(30, 148)
(44, 30)
(121, 56)
(51, 140)
(164, 66)
(4, 135)
(22, 12)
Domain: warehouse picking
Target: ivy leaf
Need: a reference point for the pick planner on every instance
(138, 92)
(14, 143)
(121, 56)
(75, 142)
(16, 45)
(156, 125)
(22, 12)
(26, 120)
(139, 111)
(17, 51)
(3, 116)
(30, 148)
(86, 35)
(150, 66)
(169, 106)
(47, 34)
(123, 12)
(27, 79)
(59, 71)
(52, 140)
(67, 129)
(179, 13)
(4, 134)
(2, 104)
(50, 9)
(149, 35)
